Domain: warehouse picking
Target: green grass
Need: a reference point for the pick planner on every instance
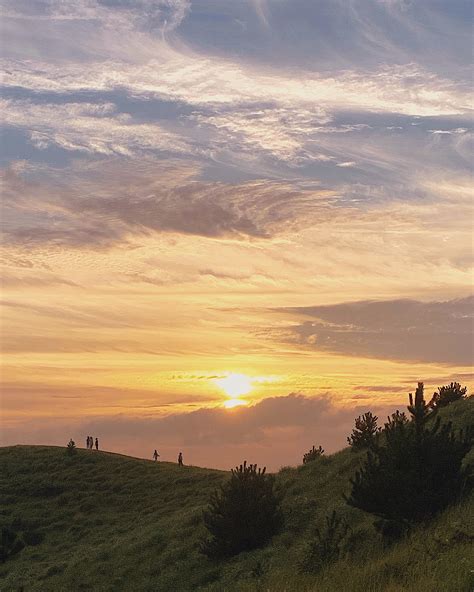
(105, 522)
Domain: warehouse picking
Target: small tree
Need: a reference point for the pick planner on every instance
(243, 514)
(416, 473)
(365, 433)
(313, 454)
(397, 418)
(420, 411)
(448, 394)
(71, 447)
(327, 544)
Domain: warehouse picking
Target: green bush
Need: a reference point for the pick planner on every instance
(243, 514)
(71, 447)
(327, 544)
(415, 473)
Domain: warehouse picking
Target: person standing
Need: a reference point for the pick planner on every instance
(180, 459)
(88, 444)
(155, 455)
(91, 442)
(97, 443)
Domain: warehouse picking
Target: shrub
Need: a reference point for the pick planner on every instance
(243, 514)
(365, 433)
(313, 454)
(327, 544)
(398, 418)
(71, 447)
(416, 473)
(448, 394)
(420, 411)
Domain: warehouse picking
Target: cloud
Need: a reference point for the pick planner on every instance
(275, 432)
(109, 202)
(205, 82)
(247, 114)
(163, 15)
(90, 399)
(8, 281)
(395, 329)
(261, 9)
(95, 129)
(251, 114)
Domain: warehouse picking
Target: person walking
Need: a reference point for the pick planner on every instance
(155, 455)
(180, 459)
(97, 443)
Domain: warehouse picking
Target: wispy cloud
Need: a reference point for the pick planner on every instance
(114, 200)
(163, 15)
(90, 128)
(202, 81)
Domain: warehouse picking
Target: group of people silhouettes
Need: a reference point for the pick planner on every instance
(180, 457)
(90, 443)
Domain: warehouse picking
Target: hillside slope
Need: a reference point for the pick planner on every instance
(104, 522)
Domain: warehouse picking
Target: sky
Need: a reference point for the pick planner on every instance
(230, 227)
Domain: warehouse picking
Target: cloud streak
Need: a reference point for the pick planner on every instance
(397, 329)
(109, 202)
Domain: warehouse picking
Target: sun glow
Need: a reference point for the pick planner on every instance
(235, 385)
(231, 403)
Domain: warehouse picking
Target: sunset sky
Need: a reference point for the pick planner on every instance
(263, 201)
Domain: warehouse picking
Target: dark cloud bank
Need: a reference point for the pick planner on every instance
(275, 432)
(407, 330)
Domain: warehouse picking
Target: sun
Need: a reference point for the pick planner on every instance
(235, 385)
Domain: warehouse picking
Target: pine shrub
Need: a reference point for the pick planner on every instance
(398, 418)
(313, 454)
(449, 394)
(243, 514)
(416, 472)
(327, 544)
(71, 447)
(365, 433)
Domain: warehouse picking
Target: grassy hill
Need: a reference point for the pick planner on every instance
(104, 522)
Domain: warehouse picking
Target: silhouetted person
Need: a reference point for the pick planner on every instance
(97, 443)
(91, 442)
(155, 455)
(180, 459)
(88, 445)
